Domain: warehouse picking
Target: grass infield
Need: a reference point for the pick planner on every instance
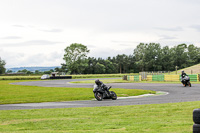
(33, 94)
(83, 76)
(154, 118)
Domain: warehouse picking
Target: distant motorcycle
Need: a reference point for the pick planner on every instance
(100, 93)
(186, 81)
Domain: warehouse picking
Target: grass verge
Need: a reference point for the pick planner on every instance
(20, 77)
(36, 77)
(154, 118)
(33, 94)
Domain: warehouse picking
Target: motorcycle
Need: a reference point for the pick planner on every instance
(186, 81)
(100, 93)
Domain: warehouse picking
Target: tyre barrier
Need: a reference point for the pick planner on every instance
(196, 120)
(61, 77)
(134, 78)
(125, 77)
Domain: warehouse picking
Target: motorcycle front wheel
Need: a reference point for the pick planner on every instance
(189, 84)
(113, 95)
(98, 96)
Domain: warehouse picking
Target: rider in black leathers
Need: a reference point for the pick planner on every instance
(183, 76)
(101, 85)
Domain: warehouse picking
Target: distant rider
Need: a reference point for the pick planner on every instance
(101, 85)
(183, 76)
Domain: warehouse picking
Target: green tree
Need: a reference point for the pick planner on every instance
(99, 68)
(37, 72)
(9, 71)
(47, 72)
(193, 55)
(2, 66)
(57, 69)
(148, 56)
(29, 72)
(109, 68)
(180, 57)
(152, 57)
(75, 58)
(23, 71)
(131, 64)
(51, 70)
(167, 59)
(139, 53)
(122, 61)
(91, 65)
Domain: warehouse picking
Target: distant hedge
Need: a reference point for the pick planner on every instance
(73, 76)
(101, 75)
(19, 77)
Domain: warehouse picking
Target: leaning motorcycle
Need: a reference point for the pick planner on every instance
(100, 93)
(186, 81)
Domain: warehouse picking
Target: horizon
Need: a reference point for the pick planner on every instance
(32, 66)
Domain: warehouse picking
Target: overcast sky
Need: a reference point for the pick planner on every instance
(36, 32)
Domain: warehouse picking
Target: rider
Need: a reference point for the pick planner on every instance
(183, 76)
(103, 86)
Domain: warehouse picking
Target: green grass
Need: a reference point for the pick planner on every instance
(10, 93)
(20, 77)
(154, 118)
(84, 76)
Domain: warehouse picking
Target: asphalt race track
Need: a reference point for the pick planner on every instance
(176, 93)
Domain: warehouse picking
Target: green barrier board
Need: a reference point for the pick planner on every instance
(193, 77)
(136, 78)
(157, 77)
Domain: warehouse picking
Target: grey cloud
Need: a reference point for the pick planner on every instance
(41, 59)
(108, 52)
(123, 41)
(36, 59)
(170, 29)
(40, 42)
(126, 44)
(196, 27)
(20, 26)
(55, 55)
(53, 30)
(91, 46)
(12, 59)
(166, 37)
(31, 43)
(11, 37)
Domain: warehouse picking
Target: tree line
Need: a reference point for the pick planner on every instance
(2, 66)
(145, 57)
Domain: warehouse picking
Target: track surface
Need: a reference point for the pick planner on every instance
(177, 93)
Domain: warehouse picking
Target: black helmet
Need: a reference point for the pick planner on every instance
(182, 71)
(97, 81)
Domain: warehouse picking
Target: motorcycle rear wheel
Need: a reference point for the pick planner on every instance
(98, 96)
